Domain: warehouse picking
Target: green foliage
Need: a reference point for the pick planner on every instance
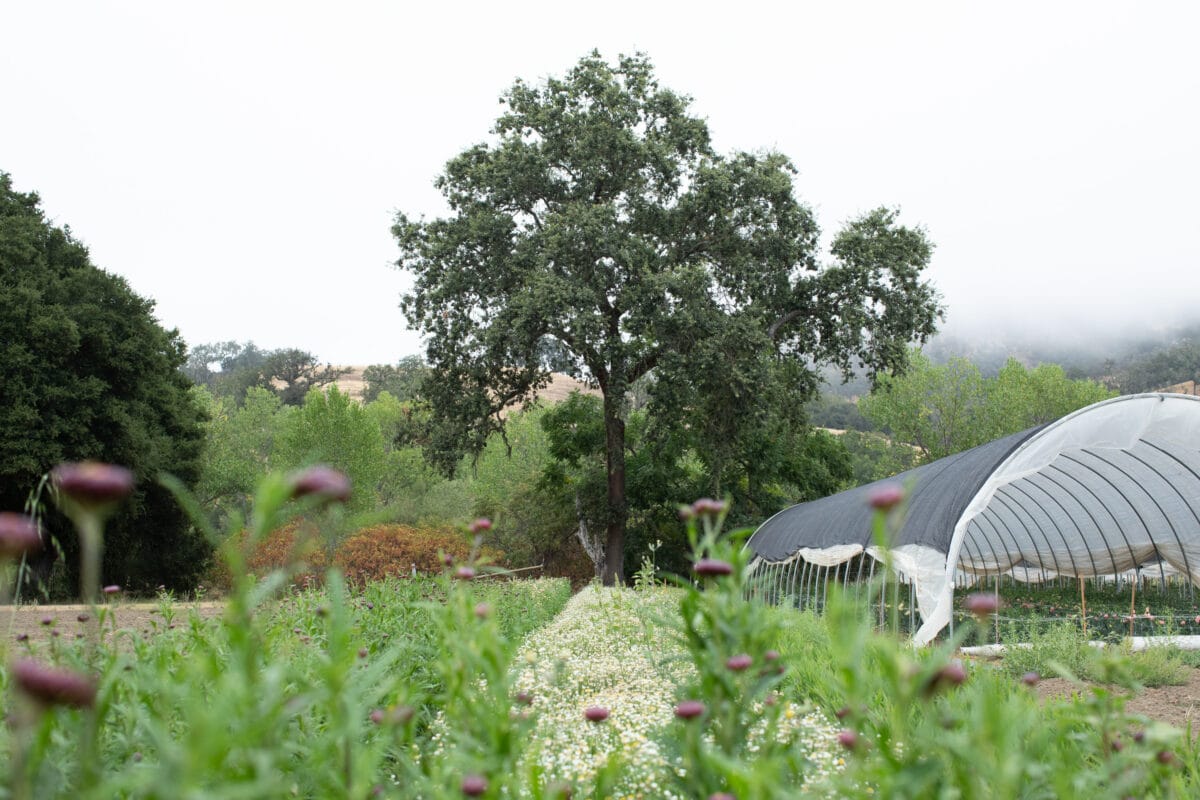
(402, 381)
(873, 456)
(1167, 365)
(829, 410)
(289, 373)
(237, 451)
(86, 372)
(945, 409)
(332, 429)
(600, 217)
(327, 693)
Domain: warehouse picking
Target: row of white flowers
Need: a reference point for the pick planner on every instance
(605, 650)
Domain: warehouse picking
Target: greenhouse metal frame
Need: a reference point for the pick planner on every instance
(1109, 492)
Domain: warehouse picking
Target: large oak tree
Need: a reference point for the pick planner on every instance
(600, 219)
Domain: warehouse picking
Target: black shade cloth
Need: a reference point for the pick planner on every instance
(937, 493)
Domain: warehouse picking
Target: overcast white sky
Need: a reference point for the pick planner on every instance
(241, 162)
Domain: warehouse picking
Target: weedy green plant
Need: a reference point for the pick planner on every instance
(734, 737)
(921, 723)
(323, 694)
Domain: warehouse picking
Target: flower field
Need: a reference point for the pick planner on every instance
(466, 685)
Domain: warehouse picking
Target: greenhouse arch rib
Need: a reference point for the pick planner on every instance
(1112, 487)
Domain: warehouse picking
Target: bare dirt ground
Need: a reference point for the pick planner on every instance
(40, 622)
(1177, 705)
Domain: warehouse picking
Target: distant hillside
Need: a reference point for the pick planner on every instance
(560, 387)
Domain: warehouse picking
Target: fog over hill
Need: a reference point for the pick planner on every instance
(1086, 343)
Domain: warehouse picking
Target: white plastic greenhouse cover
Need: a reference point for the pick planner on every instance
(1110, 488)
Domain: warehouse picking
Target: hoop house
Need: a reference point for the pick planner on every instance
(1108, 490)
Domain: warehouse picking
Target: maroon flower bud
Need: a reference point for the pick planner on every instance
(363, 652)
(848, 739)
(981, 605)
(739, 662)
(370, 606)
(843, 712)
(447, 559)
(524, 698)
(595, 713)
(710, 567)
(53, 686)
(480, 525)
(322, 482)
(1031, 679)
(689, 709)
(137, 757)
(1139, 736)
(1116, 745)
(18, 535)
(464, 573)
(950, 675)
(83, 618)
(22, 637)
(91, 485)
(483, 610)
(111, 589)
(1165, 757)
(771, 655)
(47, 621)
(708, 506)
(886, 497)
(376, 716)
(474, 785)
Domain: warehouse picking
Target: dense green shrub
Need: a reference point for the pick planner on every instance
(86, 372)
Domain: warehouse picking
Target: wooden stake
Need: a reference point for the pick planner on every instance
(1083, 604)
(1133, 602)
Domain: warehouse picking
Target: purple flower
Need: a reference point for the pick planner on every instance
(595, 713)
(322, 482)
(91, 485)
(708, 506)
(112, 589)
(982, 605)
(689, 709)
(848, 739)
(483, 610)
(710, 567)
(950, 675)
(480, 525)
(739, 662)
(51, 686)
(1031, 679)
(18, 535)
(474, 785)
(886, 497)
(464, 573)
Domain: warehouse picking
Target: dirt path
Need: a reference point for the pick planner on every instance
(41, 623)
(1177, 705)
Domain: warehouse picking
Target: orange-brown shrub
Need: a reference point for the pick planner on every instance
(279, 549)
(384, 550)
